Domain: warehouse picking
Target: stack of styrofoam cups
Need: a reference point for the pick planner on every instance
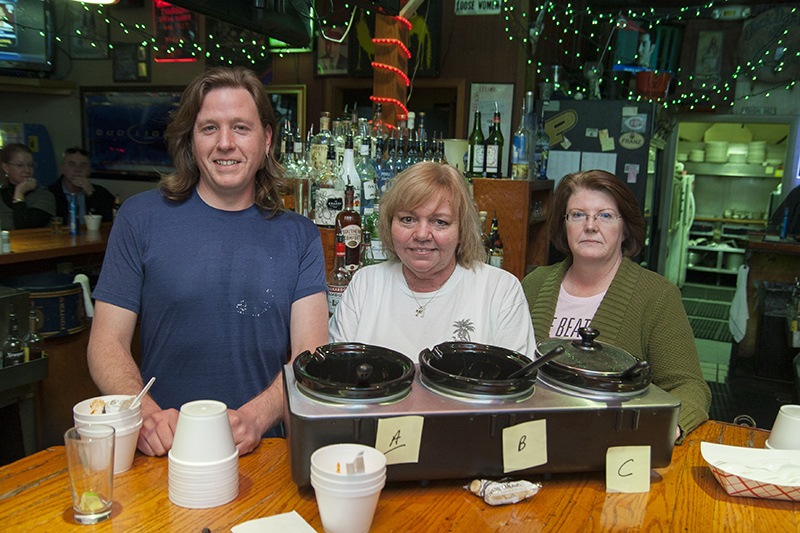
(347, 501)
(203, 460)
(126, 426)
(785, 433)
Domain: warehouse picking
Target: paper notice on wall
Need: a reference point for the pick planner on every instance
(561, 163)
(598, 161)
(606, 141)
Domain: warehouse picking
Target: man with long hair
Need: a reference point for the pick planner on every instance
(223, 280)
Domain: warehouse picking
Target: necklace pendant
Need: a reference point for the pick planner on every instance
(420, 311)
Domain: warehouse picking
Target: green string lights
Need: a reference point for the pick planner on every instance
(589, 27)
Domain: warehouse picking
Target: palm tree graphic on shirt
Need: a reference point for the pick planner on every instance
(462, 330)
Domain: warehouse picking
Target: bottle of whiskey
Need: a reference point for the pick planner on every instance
(319, 146)
(32, 342)
(475, 154)
(329, 198)
(487, 245)
(339, 277)
(494, 149)
(13, 349)
(349, 220)
(496, 252)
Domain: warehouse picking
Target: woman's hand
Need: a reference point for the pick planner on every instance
(24, 187)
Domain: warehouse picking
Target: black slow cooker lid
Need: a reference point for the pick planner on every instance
(595, 366)
(475, 368)
(354, 371)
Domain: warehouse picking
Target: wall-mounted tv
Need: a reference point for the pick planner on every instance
(26, 32)
(124, 129)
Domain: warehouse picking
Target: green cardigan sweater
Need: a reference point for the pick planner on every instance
(641, 313)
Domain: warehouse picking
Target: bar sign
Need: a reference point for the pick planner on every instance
(477, 7)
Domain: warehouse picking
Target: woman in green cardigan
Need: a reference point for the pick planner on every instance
(595, 219)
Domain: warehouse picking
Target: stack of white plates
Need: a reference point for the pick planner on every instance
(683, 156)
(737, 153)
(776, 154)
(716, 151)
(697, 156)
(756, 152)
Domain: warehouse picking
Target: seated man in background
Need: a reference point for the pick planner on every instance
(74, 180)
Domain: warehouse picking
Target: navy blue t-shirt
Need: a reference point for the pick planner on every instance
(214, 291)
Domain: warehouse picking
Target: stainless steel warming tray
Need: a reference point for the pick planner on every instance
(462, 436)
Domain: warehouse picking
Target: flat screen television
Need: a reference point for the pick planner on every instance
(26, 33)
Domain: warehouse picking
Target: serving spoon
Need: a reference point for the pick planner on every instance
(130, 402)
(534, 365)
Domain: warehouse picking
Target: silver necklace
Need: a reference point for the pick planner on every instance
(420, 312)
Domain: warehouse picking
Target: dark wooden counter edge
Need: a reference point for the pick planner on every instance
(755, 241)
(82, 246)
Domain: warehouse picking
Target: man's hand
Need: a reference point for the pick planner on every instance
(85, 185)
(158, 430)
(245, 426)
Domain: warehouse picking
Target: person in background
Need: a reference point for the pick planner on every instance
(789, 209)
(223, 279)
(436, 287)
(595, 219)
(23, 203)
(74, 181)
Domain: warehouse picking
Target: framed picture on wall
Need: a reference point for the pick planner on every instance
(131, 62)
(289, 103)
(88, 32)
(330, 53)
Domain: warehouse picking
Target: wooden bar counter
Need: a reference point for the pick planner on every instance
(685, 496)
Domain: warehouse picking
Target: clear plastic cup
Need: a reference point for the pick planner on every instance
(90, 461)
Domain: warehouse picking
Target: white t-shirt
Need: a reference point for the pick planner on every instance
(485, 305)
(573, 312)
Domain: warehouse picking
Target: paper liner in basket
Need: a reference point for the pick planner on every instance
(755, 472)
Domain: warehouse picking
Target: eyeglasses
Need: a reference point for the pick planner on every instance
(20, 166)
(603, 217)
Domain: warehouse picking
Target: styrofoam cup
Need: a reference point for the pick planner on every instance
(126, 426)
(346, 511)
(332, 460)
(92, 222)
(785, 433)
(203, 433)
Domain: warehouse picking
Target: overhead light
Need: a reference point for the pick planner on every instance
(103, 2)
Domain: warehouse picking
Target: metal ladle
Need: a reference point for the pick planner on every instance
(534, 365)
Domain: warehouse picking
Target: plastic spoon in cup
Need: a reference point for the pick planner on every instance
(130, 402)
(357, 466)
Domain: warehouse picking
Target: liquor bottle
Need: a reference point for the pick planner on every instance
(483, 215)
(32, 342)
(400, 157)
(285, 142)
(338, 278)
(475, 154)
(350, 223)
(303, 176)
(13, 349)
(369, 175)
(338, 141)
(376, 245)
(73, 215)
(422, 137)
(367, 257)
(319, 146)
(412, 157)
(383, 171)
(541, 151)
(379, 129)
(329, 199)
(494, 148)
(519, 152)
(496, 251)
(348, 172)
